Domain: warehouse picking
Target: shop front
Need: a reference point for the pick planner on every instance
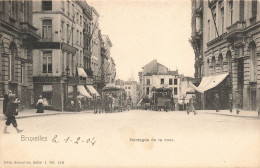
(212, 85)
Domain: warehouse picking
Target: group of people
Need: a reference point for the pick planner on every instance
(237, 101)
(10, 110)
(109, 103)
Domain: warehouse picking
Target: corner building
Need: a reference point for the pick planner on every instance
(231, 46)
(58, 69)
(17, 36)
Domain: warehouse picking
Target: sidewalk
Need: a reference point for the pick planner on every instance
(32, 113)
(242, 113)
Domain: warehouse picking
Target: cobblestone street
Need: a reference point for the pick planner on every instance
(159, 138)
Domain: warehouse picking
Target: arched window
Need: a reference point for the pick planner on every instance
(229, 60)
(214, 65)
(220, 59)
(253, 61)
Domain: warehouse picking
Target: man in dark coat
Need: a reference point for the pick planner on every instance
(11, 112)
(217, 102)
(237, 101)
(230, 101)
(6, 100)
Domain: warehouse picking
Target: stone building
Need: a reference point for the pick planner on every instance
(58, 66)
(17, 36)
(96, 43)
(231, 50)
(109, 63)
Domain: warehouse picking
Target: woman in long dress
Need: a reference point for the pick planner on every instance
(39, 105)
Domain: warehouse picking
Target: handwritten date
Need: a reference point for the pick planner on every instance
(77, 140)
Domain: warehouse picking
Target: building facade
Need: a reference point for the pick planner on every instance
(17, 36)
(231, 45)
(157, 75)
(87, 36)
(58, 68)
(109, 63)
(131, 91)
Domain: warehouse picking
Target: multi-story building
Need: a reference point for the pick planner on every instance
(157, 75)
(96, 61)
(131, 91)
(58, 67)
(109, 64)
(231, 50)
(196, 37)
(87, 36)
(17, 36)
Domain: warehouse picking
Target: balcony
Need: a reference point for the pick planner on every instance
(234, 30)
(237, 27)
(216, 40)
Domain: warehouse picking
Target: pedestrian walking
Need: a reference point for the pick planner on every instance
(6, 99)
(11, 112)
(230, 101)
(129, 103)
(237, 101)
(192, 106)
(172, 103)
(217, 102)
(99, 105)
(39, 105)
(78, 105)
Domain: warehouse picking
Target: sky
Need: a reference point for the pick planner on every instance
(144, 30)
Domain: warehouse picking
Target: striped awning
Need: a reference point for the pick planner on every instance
(83, 92)
(92, 90)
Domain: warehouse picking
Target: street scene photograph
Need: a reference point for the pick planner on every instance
(130, 83)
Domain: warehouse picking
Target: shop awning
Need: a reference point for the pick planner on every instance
(82, 73)
(209, 82)
(82, 91)
(92, 90)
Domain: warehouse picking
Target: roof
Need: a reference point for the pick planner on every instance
(154, 68)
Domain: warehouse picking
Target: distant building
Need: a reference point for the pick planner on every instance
(157, 75)
(131, 90)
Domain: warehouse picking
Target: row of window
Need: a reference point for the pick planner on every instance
(68, 9)
(148, 82)
(67, 62)
(253, 61)
(218, 14)
(67, 32)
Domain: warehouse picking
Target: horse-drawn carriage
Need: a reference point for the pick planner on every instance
(162, 99)
(114, 99)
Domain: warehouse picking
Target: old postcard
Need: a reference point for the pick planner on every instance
(129, 83)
